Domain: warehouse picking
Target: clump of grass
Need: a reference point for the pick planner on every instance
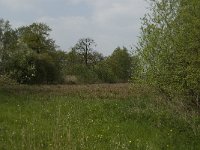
(94, 117)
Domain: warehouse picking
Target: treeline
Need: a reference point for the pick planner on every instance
(29, 56)
(169, 49)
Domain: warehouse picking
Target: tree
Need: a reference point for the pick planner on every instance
(35, 59)
(85, 47)
(169, 46)
(36, 36)
(120, 63)
(105, 73)
(8, 41)
(95, 57)
(20, 66)
(29, 55)
(4, 28)
(75, 65)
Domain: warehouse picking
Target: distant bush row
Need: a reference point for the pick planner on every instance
(29, 56)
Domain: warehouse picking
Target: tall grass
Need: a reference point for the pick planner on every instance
(94, 117)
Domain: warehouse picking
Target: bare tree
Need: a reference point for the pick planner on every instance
(85, 46)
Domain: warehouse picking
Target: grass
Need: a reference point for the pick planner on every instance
(88, 117)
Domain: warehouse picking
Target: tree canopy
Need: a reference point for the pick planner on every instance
(169, 47)
(30, 56)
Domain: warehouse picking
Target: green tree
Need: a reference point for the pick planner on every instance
(20, 66)
(81, 61)
(8, 41)
(75, 65)
(120, 64)
(47, 61)
(105, 73)
(29, 55)
(36, 36)
(169, 48)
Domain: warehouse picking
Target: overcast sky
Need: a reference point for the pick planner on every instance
(110, 23)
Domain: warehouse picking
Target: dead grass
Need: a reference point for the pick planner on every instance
(120, 90)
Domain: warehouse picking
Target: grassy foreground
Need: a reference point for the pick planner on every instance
(94, 117)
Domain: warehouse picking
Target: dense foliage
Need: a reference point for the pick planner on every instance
(94, 67)
(169, 48)
(29, 56)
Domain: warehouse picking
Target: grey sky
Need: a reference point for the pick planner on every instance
(110, 23)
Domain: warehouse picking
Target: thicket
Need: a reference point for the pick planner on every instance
(29, 56)
(93, 67)
(169, 48)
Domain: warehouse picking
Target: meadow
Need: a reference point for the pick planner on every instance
(94, 117)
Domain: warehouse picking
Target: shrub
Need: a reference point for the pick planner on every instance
(6, 80)
(105, 73)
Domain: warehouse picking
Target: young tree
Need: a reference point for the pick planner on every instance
(8, 42)
(169, 47)
(120, 63)
(105, 73)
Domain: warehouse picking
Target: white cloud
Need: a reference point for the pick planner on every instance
(18, 5)
(110, 23)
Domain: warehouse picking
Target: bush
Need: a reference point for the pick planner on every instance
(105, 73)
(20, 67)
(28, 67)
(6, 80)
(86, 74)
(70, 79)
(46, 69)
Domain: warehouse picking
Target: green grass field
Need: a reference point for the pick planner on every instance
(90, 117)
